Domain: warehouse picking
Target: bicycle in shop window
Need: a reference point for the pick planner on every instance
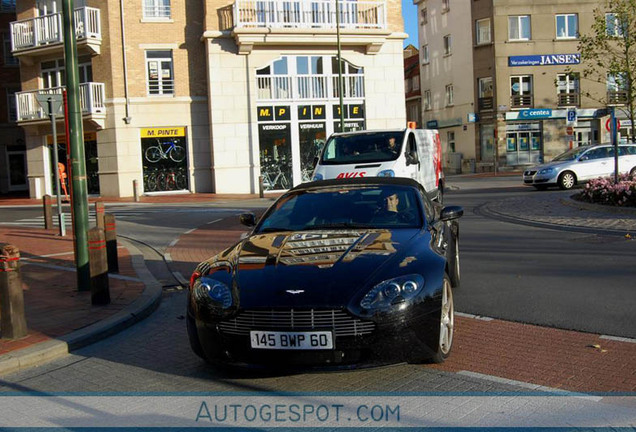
(165, 150)
(274, 177)
(156, 180)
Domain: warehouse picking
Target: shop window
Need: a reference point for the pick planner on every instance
(482, 31)
(164, 153)
(519, 28)
(567, 26)
(159, 71)
(157, 9)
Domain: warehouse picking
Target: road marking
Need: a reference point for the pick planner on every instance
(190, 231)
(477, 317)
(167, 257)
(619, 339)
(48, 255)
(214, 221)
(173, 242)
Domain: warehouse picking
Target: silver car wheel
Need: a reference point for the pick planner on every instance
(567, 180)
(447, 322)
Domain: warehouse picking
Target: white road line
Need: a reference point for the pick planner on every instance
(173, 242)
(477, 317)
(167, 257)
(190, 231)
(619, 339)
(49, 255)
(214, 221)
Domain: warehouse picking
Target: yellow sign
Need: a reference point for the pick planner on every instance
(61, 139)
(163, 132)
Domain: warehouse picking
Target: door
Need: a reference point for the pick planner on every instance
(594, 163)
(17, 170)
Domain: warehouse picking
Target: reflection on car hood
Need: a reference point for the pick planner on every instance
(313, 268)
(555, 164)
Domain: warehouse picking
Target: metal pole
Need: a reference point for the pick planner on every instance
(78, 162)
(340, 83)
(614, 143)
(56, 161)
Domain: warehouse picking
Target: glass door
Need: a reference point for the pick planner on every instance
(17, 170)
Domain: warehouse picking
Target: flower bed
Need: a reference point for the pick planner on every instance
(605, 191)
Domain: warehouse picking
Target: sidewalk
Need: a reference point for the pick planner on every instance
(59, 317)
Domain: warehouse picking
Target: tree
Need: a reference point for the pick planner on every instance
(609, 53)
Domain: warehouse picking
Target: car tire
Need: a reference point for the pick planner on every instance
(447, 323)
(632, 173)
(567, 180)
(193, 336)
(440, 193)
(453, 266)
(540, 187)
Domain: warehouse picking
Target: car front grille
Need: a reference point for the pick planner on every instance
(341, 323)
(529, 173)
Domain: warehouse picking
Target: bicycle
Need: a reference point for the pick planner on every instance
(274, 178)
(175, 152)
(175, 180)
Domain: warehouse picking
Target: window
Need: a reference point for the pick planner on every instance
(445, 5)
(425, 58)
(521, 91)
(159, 72)
(485, 87)
(482, 31)
(416, 83)
(519, 27)
(52, 74)
(616, 83)
(11, 104)
(568, 89)
(567, 26)
(9, 60)
(424, 14)
(450, 138)
(449, 95)
(448, 45)
(157, 8)
(407, 85)
(613, 25)
(7, 6)
(427, 100)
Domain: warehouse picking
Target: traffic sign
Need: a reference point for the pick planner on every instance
(608, 124)
(572, 117)
(570, 130)
(55, 99)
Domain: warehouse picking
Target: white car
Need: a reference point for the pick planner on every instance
(581, 164)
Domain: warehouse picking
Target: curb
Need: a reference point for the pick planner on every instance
(571, 202)
(46, 351)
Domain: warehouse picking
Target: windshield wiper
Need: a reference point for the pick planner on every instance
(336, 225)
(274, 229)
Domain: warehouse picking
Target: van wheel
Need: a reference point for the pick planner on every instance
(632, 173)
(567, 180)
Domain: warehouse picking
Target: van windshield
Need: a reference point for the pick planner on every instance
(363, 148)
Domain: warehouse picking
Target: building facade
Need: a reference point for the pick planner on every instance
(13, 166)
(412, 86)
(208, 96)
(526, 75)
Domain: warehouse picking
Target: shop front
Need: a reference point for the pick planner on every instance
(90, 157)
(164, 161)
(523, 143)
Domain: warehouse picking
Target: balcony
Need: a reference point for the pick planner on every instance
(617, 97)
(304, 87)
(521, 101)
(92, 96)
(302, 22)
(43, 34)
(485, 103)
(569, 99)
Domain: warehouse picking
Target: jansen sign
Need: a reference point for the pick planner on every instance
(544, 60)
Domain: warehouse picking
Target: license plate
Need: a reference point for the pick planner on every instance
(318, 340)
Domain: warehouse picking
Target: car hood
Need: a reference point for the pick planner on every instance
(556, 165)
(319, 268)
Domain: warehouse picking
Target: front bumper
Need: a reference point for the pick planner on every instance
(411, 334)
(533, 177)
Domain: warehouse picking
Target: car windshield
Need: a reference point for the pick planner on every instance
(570, 154)
(363, 148)
(344, 208)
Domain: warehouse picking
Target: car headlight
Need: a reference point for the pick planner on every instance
(393, 291)
(209, 290)
(317, 177)
(546, 171)
(386, 173)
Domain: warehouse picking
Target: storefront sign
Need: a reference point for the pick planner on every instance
(535, 114)
(544, 60)
(309, 112)
(269, 113)
(163, 132)
(356, 111)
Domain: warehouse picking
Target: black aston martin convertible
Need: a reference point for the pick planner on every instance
(338, 272)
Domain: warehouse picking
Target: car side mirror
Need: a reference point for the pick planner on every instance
(451, 212)
(247, 219)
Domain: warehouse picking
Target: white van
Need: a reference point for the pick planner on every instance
(414, 153)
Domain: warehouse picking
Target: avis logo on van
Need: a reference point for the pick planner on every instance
(351, 174)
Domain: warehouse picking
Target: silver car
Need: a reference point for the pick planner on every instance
(581, 164)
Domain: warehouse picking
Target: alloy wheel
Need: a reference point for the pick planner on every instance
(447, 321)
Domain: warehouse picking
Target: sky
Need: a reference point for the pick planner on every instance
(409, 12)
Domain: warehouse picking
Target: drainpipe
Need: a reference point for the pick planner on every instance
(126, 119)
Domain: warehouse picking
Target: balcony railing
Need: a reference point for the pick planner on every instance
(485, 103)
(569, 99)
(308, 87)
(310, 14)
(521, 101)
(47, 29)
(617, 97)
(91, 101)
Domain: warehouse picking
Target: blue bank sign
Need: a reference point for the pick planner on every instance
(535, 114)
(544, 60)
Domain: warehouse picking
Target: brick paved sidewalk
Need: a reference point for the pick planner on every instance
(542, 356)
(53, 305)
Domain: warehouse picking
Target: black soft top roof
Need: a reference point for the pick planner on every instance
(390, 181)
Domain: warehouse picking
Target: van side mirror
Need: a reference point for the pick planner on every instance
(247, 219)
(411, 158)
(451, 212)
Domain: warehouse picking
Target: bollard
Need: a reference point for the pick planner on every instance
(110, 233)
(100, 293)
(136, 190)
(99, 214)
(48, 211)
(12, 319)
(260, 186)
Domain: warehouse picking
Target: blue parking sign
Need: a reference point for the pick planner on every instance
(571, 116)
